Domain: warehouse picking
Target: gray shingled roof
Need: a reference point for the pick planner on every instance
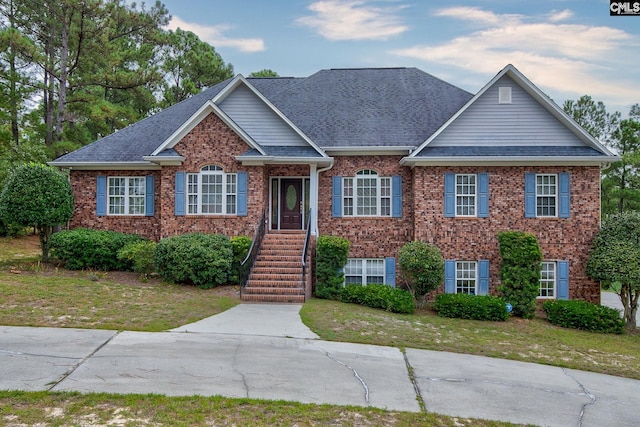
(335, 108)
(379, 107)
(282, 151)
(524, 151)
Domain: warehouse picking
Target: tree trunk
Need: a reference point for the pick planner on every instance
(629, 300)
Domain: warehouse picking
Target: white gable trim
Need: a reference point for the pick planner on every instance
(240, 80)
(197, 117)
(602, 161)
(537, 95)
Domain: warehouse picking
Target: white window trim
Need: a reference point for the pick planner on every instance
(474, 195)
(555, 281)
(365, 275)
(218, 171)
(557, 207)
(127, 196)
(353, 180)
(458, 277)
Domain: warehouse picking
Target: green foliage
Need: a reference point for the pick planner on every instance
(379, 296)
(82, 248)
(240, 246)
(584, 315)
(615, 258)
(520, 271)
(203, 260)
(39, 196)
(475, 307)
(190, 65)
(140, 255)
(264, 73)
(331, 257)
(422, 267)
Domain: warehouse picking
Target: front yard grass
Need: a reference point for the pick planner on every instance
(525, 340)
(67, 409)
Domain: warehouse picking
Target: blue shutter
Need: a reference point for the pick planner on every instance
(101, 195)
(483, 277)
(483, 195)
(180, 194)
(530, 195)
(336, 196)
(149, 195)
(564, 192)
(450, 277)
(242, 194)
(563, 280)
(390, 272)
(449, 195)
(396, 191)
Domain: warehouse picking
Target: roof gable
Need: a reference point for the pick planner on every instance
(525, 124)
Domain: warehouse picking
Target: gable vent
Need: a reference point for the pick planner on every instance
(504, 95)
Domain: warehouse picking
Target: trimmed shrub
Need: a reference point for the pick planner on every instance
(578, 314)
(331, 257)
(82, 248)
(474, 307)
(379, 296)
(140, 255)
(240, 246)
(203, 260)
(422, 267)
(520, 271)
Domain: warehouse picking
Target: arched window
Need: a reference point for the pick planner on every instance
(212, 191)
(367, 194)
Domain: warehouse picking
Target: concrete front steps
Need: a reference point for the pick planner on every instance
(277, 270)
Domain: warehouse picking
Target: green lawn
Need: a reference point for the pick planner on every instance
(525, 340)
(35, 294)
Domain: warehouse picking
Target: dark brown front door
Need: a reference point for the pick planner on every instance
(291, 204)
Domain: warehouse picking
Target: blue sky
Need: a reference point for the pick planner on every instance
(568, 48)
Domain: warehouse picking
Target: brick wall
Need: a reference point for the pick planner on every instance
(476, 238)
(369, 237)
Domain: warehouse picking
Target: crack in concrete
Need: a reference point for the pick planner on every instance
(81, 362)
(244, 378)
(355, 374)
(593, 397)
(529, 387)
(19, 353)
(412, 378)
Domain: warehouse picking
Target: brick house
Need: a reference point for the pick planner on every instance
(379, 156)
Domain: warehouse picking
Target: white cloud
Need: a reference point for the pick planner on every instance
(567, 58)
(353, 20)
(214, 35)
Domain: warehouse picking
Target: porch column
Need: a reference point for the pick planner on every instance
(313, 197)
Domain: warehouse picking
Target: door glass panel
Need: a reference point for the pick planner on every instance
(292, 197)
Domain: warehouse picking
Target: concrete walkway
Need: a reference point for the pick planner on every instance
(242, 357)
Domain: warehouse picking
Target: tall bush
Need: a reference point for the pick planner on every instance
(331, 257)
(520, 271)
(200, 259)
(37, 195)
(240, 246)
(422, 267)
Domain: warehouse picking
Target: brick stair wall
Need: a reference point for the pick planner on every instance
(277, 271)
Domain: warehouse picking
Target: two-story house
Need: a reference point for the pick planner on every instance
(378, 156)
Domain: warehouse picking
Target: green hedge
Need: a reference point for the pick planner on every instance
(584, 315)
(475, 307)
(140, 254)
(379, 296)
(199, 259)
(240, 246)
(82, 248)
(331, 257)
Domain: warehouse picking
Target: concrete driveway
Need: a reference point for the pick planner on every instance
(268, 366)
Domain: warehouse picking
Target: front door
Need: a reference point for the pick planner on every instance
(291, 204)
